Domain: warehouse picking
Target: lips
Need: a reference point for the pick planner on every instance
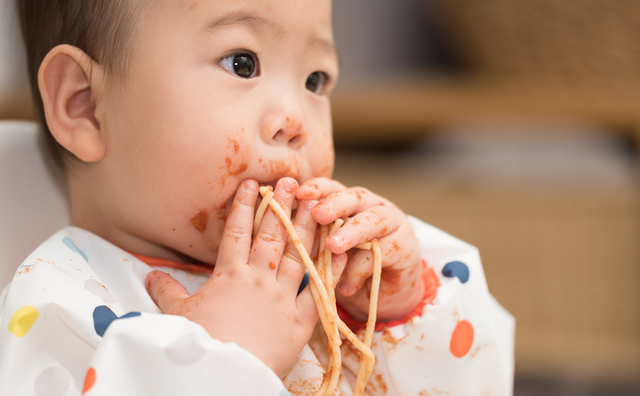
(273, 182)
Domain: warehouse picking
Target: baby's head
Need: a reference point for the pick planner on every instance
(162, 108)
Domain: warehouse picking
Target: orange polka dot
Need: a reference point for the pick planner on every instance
(89, 380)
(461, 339)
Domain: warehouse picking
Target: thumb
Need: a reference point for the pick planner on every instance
(307, 306)
(166, 292)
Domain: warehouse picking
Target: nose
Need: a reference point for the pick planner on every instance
(285, 128)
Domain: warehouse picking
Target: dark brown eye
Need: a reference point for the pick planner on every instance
(316, 81)
(243, 64)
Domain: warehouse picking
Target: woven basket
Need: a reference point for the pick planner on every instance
(592, 39)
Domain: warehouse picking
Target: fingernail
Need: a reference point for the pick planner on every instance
(336, 240)
(289, 185)
(309, 205)
(250, 185)
(312, 187)
(306, 193)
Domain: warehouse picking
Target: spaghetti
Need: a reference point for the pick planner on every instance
(323, 291)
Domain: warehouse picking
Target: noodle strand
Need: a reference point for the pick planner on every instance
(323, 292)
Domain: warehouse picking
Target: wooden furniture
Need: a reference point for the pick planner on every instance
(396, 111)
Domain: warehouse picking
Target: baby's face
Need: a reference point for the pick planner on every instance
(217, 91)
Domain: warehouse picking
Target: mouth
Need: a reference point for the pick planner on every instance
(272, 183)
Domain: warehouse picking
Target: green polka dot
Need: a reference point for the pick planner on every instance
(22, 320)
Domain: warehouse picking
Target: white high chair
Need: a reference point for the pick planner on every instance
(33, 195)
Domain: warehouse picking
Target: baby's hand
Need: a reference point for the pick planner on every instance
(401, 287)
(251, 297)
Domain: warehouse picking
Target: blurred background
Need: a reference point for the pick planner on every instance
(513, 125)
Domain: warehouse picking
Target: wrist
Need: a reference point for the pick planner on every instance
(356, 319)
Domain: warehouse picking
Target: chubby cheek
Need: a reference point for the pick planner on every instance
(185, 189)
(178, 160)
(213, 196)
(323, 160)
(320, 153)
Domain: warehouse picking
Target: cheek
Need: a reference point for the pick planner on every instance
(236, 158)
(322, 156)
(183, 157)
(219, 173)
(320, 146)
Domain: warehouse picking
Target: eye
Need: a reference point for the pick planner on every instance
(316, 81)
(243, 64)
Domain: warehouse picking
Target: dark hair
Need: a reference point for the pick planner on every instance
(103, 29)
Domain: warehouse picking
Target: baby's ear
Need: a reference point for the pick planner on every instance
(70, 83)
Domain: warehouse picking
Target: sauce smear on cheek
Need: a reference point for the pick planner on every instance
(235, 170)
(235, 144)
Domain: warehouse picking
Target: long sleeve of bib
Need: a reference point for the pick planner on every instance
(76, 319)
(459, 343)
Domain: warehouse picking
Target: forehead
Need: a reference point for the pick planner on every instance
(310, 19)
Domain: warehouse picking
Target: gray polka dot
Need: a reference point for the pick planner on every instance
(99, 290)
(185, 350)
(53, 381)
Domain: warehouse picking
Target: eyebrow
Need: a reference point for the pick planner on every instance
(256, 23)
(328, 45)
(261, 25)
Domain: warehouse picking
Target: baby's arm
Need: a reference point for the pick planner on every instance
(251, 297)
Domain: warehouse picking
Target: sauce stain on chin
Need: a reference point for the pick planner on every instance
(199, 221)
(280, 169)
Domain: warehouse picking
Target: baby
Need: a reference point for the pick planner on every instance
(167, 116)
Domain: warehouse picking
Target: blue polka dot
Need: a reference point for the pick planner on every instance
(67, 241)
(456, 269)
(285, 392)
(103, 316)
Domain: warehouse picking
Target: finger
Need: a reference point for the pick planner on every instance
(292, 268)
(398, 253)
(236, 237)
(357, 271)
(346, 202)
(270, 241)
(318, 188)
(166, 292)
(400, 249)
(338, 263)
(372, 223)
